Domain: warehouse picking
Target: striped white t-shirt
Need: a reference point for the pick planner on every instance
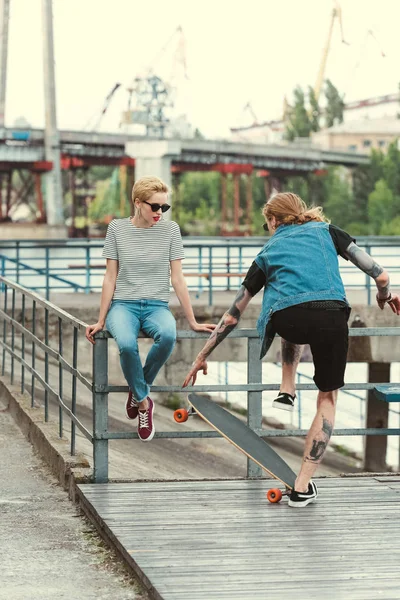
(143, 256)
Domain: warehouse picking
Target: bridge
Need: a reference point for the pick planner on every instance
(24, 150)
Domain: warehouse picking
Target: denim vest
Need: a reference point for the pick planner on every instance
(301, 264)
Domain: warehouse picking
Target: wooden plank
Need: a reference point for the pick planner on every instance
(214, 540)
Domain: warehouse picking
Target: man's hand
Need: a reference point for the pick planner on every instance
(394, 303)
(200, 364)
(92, 329)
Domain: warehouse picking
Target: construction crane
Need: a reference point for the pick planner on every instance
(106, 104)
(153, 94)
(336, 14)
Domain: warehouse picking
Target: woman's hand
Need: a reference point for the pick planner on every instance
(200, 364)
(207, 327)
(92, 329)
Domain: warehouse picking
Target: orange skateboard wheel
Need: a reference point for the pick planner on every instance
(181, 415)
(274, 496)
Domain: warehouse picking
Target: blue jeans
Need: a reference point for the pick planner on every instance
(124, 320)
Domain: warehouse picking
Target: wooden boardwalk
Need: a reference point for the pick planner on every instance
(212, 540)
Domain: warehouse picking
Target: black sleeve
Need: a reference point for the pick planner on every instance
(341, 240)
(255, 279)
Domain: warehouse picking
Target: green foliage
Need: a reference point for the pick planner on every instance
(334, 105)
(339, 205)
(392, 228)
(108, 199)
(173, 401)
(357, 228)
(299, 186)
(198, 135)
(100, 173)
(196, 204)
(364, 179)
(381, 206)
(315, 111)
(391, 167)
(299, 124)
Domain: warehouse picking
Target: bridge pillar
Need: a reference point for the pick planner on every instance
(236, 204)
(249, 203)
(224, 207)
(155, 158)
(54, 196)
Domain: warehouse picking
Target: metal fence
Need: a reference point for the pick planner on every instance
(26, 339)
(211, 264)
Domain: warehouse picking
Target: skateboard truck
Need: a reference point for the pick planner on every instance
(182, 414)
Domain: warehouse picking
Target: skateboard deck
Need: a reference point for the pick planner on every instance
(245, 440)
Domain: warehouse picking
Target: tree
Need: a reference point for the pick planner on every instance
(381, 206)
(391, 167)
(335, 105)
(299, 124)
(364, 180)
(315, 111)
(339, 204)
(197, 135)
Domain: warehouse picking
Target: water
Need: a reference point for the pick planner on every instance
(68, 262)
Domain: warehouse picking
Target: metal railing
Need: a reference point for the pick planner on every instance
(211, 264)
(22, 343)
(18, 320)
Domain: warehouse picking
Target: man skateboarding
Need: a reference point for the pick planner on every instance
(305, 303)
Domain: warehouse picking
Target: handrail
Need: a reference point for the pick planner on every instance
(99, 386)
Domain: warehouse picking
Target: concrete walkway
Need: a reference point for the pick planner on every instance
(48, 551)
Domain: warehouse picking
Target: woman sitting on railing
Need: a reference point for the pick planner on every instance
(143, 253)
(305, 303)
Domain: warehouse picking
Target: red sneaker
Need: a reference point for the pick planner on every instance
(146, 429)
(131, 407)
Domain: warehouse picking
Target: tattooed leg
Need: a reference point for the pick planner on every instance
(317, 438)
(291, 354)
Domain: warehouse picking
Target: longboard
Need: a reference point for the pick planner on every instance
(241, 436)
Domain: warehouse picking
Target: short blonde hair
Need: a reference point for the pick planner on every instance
(290, 209)
(145, 187)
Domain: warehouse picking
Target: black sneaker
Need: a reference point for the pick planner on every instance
(284, 401)
(300, 499)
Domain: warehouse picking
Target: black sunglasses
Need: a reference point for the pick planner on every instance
(265, 226)
(155, 207)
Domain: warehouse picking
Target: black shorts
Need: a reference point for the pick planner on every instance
(327, 333)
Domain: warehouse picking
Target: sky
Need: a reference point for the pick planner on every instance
(236, 52)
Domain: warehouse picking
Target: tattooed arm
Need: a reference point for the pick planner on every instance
(366, 263)
(227, 324)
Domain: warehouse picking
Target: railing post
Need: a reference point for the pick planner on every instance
(100, 409)
(47, 268)
(254, 399)
(17, 258)
(3, 271)
(228, 266)
(368, 279)
(210, 281)
(200, 270)
(87, 284)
